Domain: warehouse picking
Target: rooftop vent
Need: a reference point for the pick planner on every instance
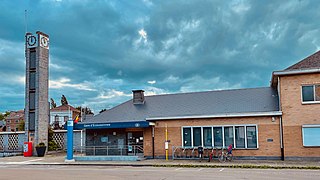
(138, 96)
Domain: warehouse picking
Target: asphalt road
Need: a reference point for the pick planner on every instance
(35, 172)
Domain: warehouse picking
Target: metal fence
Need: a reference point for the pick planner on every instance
(125, 150)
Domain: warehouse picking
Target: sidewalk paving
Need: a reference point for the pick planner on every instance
(59, 159)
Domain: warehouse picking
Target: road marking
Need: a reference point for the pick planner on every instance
(178, 169)
(22, 162)
(221, 169)
(200, 169)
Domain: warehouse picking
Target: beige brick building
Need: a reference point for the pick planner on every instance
(277, 122)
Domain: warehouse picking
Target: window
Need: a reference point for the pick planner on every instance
(186, 136)
(310, 93)
(311, 135)
(32, 102)
(207, 136)
(217, 136)
(240, 136)
(32, 59)
(228, 136)
(251, 137)
(32, 80)
(197, 136)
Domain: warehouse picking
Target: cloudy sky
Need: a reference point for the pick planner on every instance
(100, 50)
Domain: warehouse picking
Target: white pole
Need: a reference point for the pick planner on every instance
(81, 139)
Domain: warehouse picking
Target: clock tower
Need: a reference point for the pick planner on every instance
(37, 82)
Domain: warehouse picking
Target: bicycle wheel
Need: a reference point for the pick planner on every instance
(222, 158)
(229, 157)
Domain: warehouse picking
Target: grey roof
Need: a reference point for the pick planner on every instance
(193, 104)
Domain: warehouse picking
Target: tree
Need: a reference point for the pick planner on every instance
(103, 110)
(84, 110)
(53, 104)
(21, 125)
(64, 100)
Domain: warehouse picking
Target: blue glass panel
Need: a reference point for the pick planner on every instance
(311, 136)
(197, 137)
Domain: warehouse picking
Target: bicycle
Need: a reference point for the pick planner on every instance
(226, 155)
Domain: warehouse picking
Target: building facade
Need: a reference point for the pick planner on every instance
(276, 122)
(61, 114)
(14, 120)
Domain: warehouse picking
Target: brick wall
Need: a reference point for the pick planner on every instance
(266, 130)
(296, 114)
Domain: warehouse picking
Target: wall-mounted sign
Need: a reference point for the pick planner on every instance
(70, 123)
(104, 139)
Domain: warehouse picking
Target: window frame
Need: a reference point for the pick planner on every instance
(223, 139)
(314, 94)
(303, 131)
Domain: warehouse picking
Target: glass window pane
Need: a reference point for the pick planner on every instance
(317, 89)
(32, 80)
(32, 59)
(239, 133)
(311, 136)
(228, 136)
(197, 136)
(186, 136)
(207, 136)
(307, 93)
(251, 137)
(217, 132)
(32, 100)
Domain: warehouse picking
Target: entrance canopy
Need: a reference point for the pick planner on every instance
(132, 124)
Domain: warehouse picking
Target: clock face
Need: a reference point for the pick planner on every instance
(31, 40)
(44, 41)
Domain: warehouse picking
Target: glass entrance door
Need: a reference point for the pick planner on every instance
(135, 142)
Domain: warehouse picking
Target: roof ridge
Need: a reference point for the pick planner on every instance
(198, 92)
(306, 63)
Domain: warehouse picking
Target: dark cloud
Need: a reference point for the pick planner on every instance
(97, 55)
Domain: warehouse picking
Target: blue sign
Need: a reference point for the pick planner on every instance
(133, 124)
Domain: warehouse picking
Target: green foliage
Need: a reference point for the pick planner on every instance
(4, 115)
(21, 125)
(53, 104)
(64, 100)
(85, 110)
(41, 145)
(52, 146)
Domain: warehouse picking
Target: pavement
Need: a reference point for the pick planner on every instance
(59, 159)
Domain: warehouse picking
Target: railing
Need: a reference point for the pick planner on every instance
(180, 152)
(8, 151)
(132, 150)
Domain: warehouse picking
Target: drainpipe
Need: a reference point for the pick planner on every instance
(281, 125)
(152, 141)
(281, 140)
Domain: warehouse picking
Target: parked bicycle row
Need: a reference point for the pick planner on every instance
(209, 153)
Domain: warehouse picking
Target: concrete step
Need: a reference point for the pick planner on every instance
(107, 158)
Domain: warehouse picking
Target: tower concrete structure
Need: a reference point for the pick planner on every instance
(37, 82)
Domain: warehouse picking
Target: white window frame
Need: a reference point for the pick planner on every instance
(309, 126)
(223, 140)
(314, 94)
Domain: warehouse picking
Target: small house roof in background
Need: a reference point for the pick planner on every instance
(64, 108)
(310, 62)
(15, 115)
